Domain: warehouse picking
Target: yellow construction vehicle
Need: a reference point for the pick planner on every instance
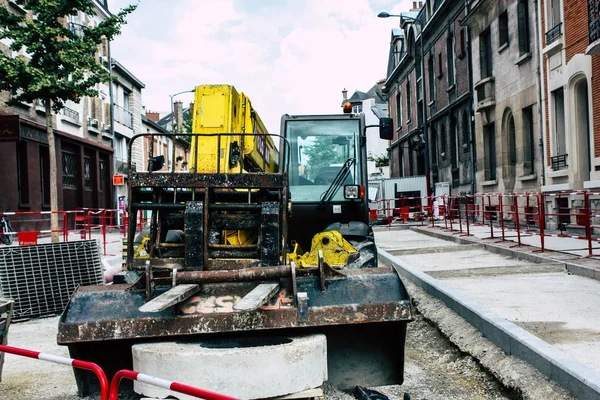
(305, 261)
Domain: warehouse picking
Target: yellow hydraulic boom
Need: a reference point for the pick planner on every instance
(220, 109)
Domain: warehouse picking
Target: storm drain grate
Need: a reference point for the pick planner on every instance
(41, 278)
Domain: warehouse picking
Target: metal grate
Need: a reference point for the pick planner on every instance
(41, 278)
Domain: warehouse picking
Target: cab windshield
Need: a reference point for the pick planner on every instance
(318, 150)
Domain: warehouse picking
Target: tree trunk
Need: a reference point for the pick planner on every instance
(53, 174)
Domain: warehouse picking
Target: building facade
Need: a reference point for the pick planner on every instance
(429, 97)
(84, 154)
(507, 89)
(571, 67)
(374, 106)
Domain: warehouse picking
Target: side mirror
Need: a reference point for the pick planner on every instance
(386, 128)
(156, 163)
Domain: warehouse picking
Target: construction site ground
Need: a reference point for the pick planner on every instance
(529, 301)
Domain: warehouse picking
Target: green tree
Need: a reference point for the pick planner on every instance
(60, 65)
(381, 160)
(322, 153)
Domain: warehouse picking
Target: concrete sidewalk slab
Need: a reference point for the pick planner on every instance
(518, 309)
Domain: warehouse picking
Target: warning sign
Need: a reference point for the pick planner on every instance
(118, 180)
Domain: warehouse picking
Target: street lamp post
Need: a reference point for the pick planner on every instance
(173, 126)
(404, 18)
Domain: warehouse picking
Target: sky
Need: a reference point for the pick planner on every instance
(288, 56)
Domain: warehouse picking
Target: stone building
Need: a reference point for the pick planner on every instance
(428, 90)
(571, 66)
(507, 95)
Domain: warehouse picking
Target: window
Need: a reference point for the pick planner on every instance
(399, 109)
(408, 105)
(450, 58)
(485, 54)
(523, 15)
(558, 99)
(430, 69)
(434, 142)
(463, 43)
(22, 173)
(102, 168)
(45, 176)
(529, 142)
(126, 101)
(357, 109)
(69, 167)
(443, 141)
(465, 130)
(87, 172)
(490, 152)
(555, 13)
(503, 29)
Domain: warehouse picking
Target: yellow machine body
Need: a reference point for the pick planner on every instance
(336, 251)
(220, 109)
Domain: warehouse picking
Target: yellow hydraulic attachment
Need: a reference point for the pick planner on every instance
(220, 109)
(337, 252)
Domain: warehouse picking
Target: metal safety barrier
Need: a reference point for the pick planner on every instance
(63, 361)
(508, 216)
(112, 392)
(162, 383)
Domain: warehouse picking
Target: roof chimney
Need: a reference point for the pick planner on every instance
(345, 94)
(420, 4)
(414, 5)
(152, 116)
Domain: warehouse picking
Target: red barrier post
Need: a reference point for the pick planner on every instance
(501, 216)
(490, 216)
(517, 222)
(467, 207)
(541, 218)
(162, 383)
(104, 230)
(588, 228)
(445, 211)
(63, 361)
(65, 226)
(459, 217)
(432, 214)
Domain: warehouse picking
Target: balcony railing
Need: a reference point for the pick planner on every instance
(486, 92)
(123, 116)
(559, 162)
(553, 34)
(69, 112)
(593, 20)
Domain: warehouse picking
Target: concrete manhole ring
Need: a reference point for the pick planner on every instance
(247, 367)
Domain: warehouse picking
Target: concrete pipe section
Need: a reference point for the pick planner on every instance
(247, 367)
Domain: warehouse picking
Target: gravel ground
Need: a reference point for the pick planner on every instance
(446, 358)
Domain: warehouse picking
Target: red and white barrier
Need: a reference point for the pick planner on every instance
(64, 361)
(162, 383)
(113, 393)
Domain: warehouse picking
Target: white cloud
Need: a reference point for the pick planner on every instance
(287, 56)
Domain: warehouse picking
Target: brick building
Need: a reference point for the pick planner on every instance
(430, 100)
(507, 87)
(571, 71)
(84, 149)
